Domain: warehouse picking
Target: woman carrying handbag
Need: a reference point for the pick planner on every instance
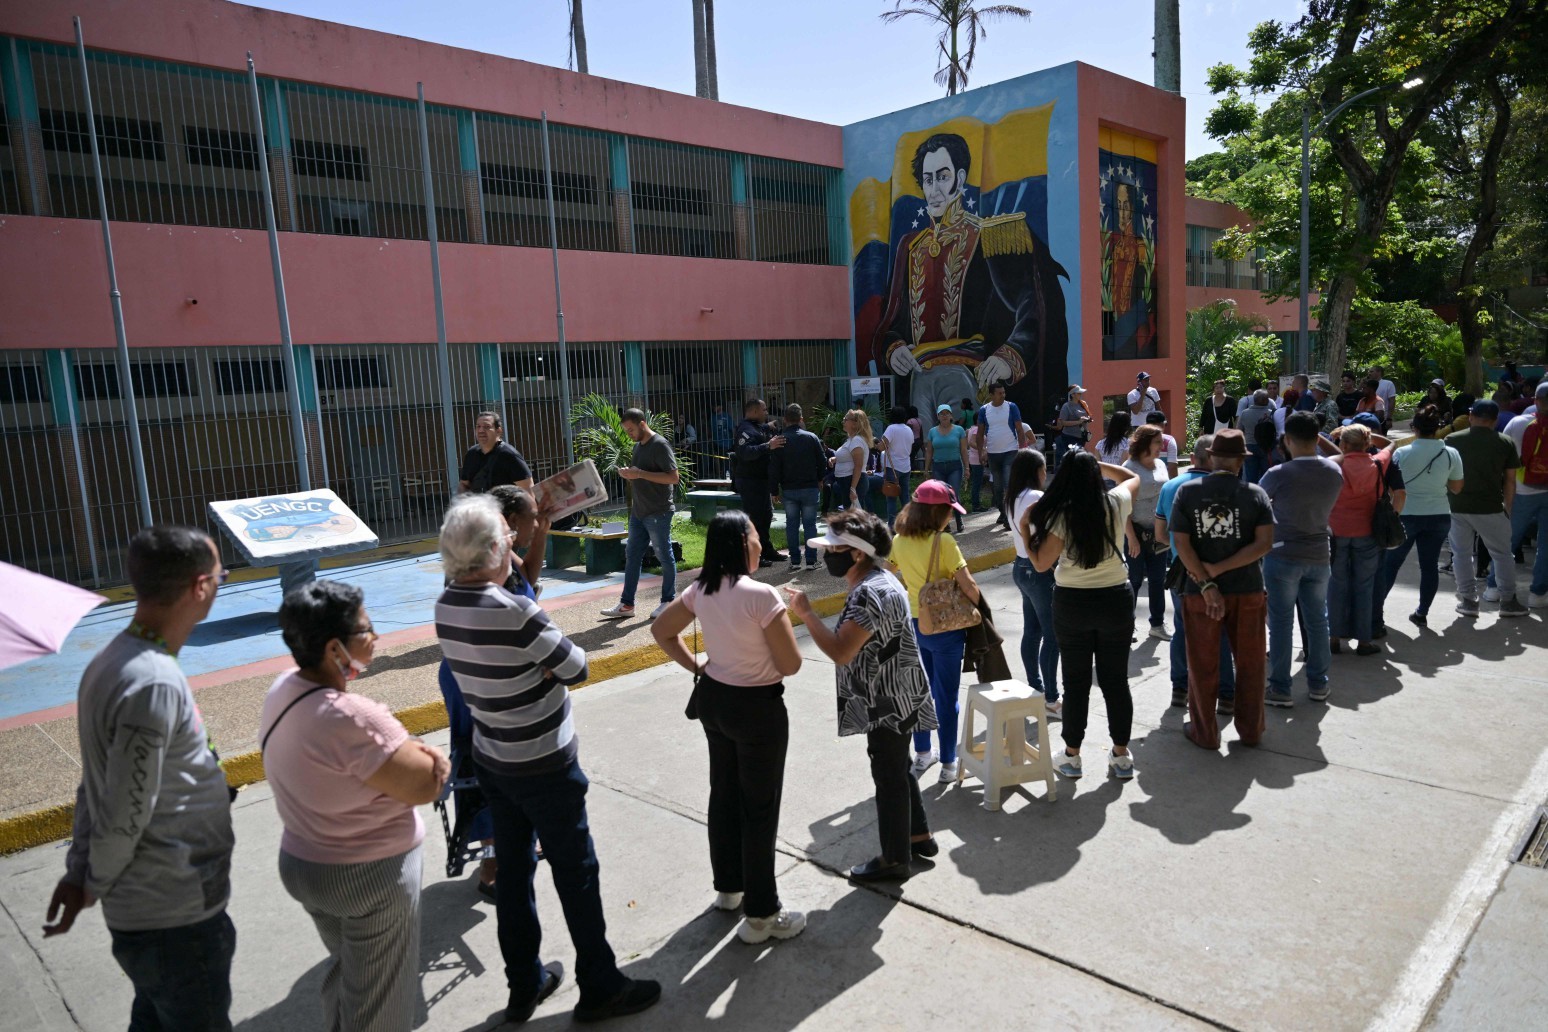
(943, 597)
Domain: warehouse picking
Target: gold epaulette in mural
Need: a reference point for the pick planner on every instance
(1004, 234)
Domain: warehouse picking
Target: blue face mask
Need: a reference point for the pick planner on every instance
(838, 562)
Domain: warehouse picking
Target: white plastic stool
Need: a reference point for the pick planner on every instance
(1006, 757)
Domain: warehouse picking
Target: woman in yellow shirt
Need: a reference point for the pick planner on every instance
(920, 525)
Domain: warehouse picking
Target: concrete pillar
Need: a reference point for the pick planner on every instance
(311, 416)
(21, 105)
(623, 211)
(741, 210)
(65, 404)
(276, 133)
(472, 176)
(634, 374)
(750, 377)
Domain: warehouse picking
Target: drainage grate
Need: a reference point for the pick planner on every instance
(1532, 850)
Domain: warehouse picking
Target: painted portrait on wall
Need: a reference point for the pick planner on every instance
(1127, 195)
(954, 286)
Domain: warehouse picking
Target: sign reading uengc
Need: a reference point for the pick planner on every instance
(292, 528)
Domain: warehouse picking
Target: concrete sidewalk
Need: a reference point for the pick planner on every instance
(1328, 880)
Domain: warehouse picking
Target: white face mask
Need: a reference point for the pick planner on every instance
(351, 670)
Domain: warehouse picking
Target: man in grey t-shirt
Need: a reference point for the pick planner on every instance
(1297, 571)
(152, 836)
(652, 480)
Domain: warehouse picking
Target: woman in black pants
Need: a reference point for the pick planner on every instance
(882, 689)
(1082, 526)
(739, 700)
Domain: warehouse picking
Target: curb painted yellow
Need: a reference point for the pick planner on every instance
(53, 823)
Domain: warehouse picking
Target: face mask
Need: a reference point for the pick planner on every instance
(351, 670)
(838, 563)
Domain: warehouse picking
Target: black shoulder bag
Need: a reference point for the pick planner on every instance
(263, 744)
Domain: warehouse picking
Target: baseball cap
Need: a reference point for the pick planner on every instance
(1229, 444)
(1365, 419)
(1437, 382)
(936, 492)
(1485, 408)
(1143, 376)
(1076, 388)
(1321, 384)
(943, 408)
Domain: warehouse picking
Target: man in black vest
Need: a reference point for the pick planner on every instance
(795, 474)
(755, 439)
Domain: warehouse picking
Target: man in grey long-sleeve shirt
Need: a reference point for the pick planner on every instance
(152, 835)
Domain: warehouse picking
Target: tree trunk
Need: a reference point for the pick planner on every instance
(951, 77)
(1333, 324)
(711, 72)
(1485, 228)
(700, 69)
(578, 36)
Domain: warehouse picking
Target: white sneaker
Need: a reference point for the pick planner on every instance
(659, 610)
(728, 901)
(618, 612)
(787, 924)
(1491, 594)
(1157, 631)
(1538, 601)
(1053, 709)
(1122, 767)
(924, 761)
(949, 773)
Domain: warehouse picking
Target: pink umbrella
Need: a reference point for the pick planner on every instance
(37, 613)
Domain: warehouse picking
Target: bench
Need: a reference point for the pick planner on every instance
(602, 547)
(711, 484)
(703, 505)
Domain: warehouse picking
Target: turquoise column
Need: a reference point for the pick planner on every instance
(741, 211)
(472, 176)
(491, 377)
(841, 349)
(634, 372)
(21, 103)
(61, 387)
(618, 174)
(64, 403)
(276, 132)
(750, 376)
(311, 415)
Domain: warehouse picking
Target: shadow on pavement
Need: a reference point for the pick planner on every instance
(232, 628)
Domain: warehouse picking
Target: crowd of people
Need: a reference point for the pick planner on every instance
(1287, 514)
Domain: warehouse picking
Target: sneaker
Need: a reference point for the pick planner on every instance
(1467, 606)
(787, 924)
(1491, 594)
(659, 610)
(728, 901)
(636, 995)
(949, 773)
(1512, 607)
(1283, 699)
(796, 567)
(1419, 619)
(1319, 693)
(518, 1012)
(1055, 710)
(1121, 767)
(618, 612)
(1068, 765)
(924, 761)
(1225, 706)
(1536, 601)
(1180, 697)
(1160, 633)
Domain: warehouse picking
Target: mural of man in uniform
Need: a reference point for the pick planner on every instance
(1128, 263)
(971, 301)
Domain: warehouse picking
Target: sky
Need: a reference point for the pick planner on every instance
(828, 60)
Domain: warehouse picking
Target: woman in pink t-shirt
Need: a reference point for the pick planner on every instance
(738, 698)
(346, 778)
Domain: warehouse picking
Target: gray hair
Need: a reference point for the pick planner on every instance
(473, 535)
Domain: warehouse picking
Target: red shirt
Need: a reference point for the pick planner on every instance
(1363, 478)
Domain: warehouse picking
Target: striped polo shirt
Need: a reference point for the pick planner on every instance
(500, 647)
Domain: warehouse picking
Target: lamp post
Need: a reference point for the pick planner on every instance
(1303, 343)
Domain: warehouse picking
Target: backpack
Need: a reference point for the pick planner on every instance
(1534, 454)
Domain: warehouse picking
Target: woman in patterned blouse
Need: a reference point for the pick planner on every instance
(883, 692)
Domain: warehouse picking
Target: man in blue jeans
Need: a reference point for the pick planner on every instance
(652, 480)
(1000, 423)
(795, 474)
(1226, 702)
(1297, 570)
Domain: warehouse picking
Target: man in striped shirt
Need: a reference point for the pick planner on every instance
(513, 666)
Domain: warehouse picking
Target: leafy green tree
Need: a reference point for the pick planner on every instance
(1224, 344)
(600, 437)
(957, 19)
(1336, 51)
(1403, 337)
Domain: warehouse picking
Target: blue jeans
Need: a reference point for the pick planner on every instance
(942, 656)
(1428, 533)
(1150, 565)
(1063, 443)
(949, 473)
(1179, 657)
(658, 531)
(1355, 562)
(1530, 510)
(975, 487)
(550, 808)
(801, 521)
(181, 976)
(1296, 585)
(999, 464)
(1039, 647)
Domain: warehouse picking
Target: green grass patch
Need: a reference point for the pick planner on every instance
(691, 536)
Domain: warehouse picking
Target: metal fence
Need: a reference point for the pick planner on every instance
(179, 146)
(214, 422)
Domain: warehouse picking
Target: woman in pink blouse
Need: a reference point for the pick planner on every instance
(346, 778)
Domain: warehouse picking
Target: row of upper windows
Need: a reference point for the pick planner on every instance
(179, 146)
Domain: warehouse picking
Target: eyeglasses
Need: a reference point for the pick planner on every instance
(367, 630)
(219, 577)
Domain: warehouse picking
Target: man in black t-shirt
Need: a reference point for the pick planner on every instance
(492, 462)
(1222, 527)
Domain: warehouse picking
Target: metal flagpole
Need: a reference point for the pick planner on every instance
(443, 359)
(292, 374)
(564, 351)
(125, 374)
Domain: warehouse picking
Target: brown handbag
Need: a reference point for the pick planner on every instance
(942, 605)
(891, 487)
